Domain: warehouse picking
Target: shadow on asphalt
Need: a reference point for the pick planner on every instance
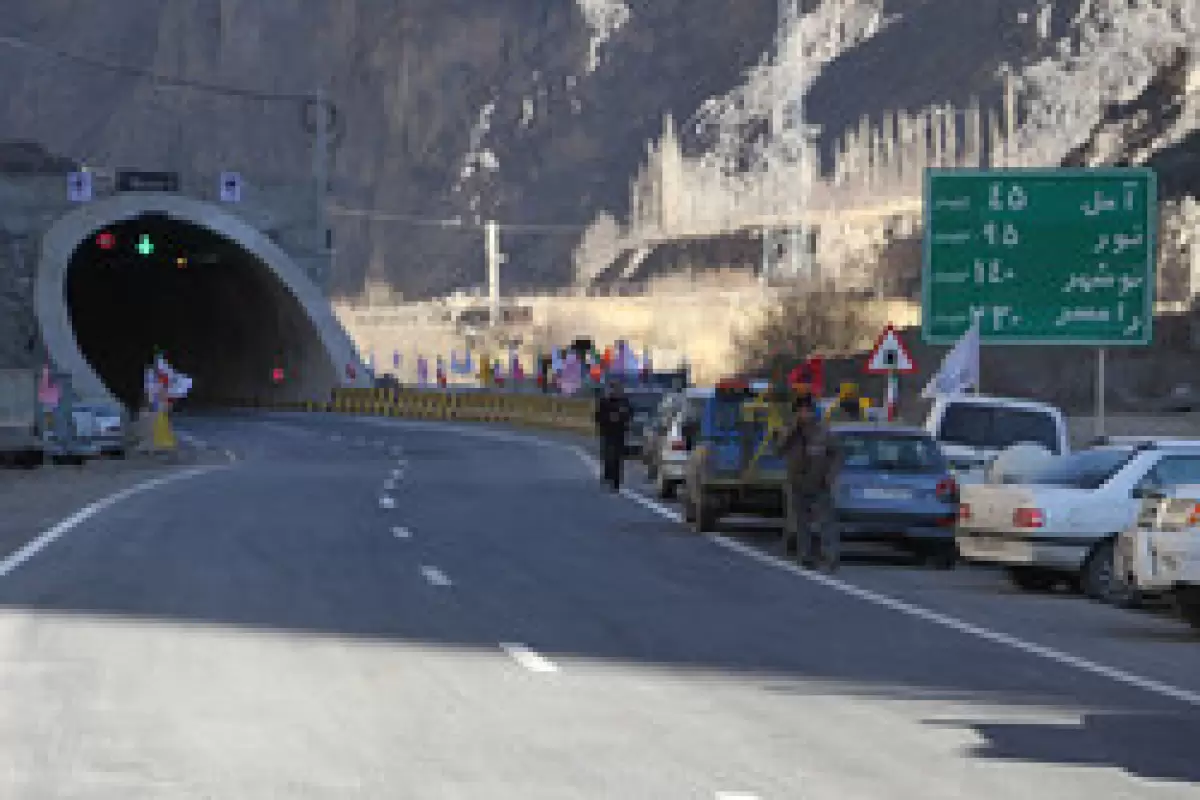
(1100, 740)
(572, 572)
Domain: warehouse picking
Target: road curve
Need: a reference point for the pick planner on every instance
(361, 609)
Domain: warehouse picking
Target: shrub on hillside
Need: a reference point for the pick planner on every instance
(809, 318)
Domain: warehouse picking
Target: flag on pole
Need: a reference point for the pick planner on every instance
(960, 368)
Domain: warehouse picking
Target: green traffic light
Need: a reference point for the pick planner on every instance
(144, 245)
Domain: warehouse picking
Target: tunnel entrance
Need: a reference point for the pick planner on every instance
(156, 283)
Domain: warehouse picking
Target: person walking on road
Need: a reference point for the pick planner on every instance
(849, 405)
(812, 463)
(613, 414)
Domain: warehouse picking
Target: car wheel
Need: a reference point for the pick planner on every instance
(689, 507)
(666, 488)
(705, 515)
(1032, 579)
(1187, 601)
(1100, 579)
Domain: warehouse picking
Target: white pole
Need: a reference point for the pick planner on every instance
(492, 245)
(1100, 368)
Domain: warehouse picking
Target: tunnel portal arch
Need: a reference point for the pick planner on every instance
(67, 234)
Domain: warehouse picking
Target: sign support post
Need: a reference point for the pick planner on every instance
(1101, 357)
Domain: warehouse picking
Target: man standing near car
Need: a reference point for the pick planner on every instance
(613, 413)
(812, 463)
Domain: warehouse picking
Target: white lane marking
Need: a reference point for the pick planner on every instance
(231, 455)
(335, 437)
(194, 441)
(397, 474)
(401, 533)
(389, 484)
(435, 576)
(530, 660)
(387, 502)
(1050, 654)
(47, 537)
(944, 620)
(736, 796)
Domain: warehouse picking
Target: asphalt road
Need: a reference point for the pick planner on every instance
(364, 608)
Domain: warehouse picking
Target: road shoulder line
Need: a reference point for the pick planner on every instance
(47, 537)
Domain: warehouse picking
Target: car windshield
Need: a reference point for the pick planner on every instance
(1090, 469)
(891, 453)
(644, 403)
(996, 427)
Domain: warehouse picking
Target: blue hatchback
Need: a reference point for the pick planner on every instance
(895, 486)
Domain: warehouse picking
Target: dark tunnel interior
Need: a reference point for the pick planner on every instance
(217, 313)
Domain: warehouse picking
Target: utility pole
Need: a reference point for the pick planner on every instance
(492, 252)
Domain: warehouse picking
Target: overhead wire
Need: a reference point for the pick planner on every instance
(162, 80)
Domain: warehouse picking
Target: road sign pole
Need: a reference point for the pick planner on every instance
(893, 392)
(1101, 354)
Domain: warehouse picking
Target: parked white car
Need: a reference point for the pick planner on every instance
(1161, 552)
(1060, 521)
(669, 465)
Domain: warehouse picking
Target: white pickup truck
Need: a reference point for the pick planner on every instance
(1160, 553)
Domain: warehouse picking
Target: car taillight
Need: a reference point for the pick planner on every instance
(947, 490)
(678, 444)
(964, 512)
(1029, 518)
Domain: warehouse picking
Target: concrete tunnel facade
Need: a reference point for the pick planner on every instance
(241, 315)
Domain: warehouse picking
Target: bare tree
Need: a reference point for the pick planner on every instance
(812, 317)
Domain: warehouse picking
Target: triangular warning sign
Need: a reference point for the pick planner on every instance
(890, 354)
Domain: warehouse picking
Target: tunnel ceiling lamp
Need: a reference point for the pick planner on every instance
(144, 245)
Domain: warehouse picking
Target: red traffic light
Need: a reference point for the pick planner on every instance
(277, 375)
(106, 241)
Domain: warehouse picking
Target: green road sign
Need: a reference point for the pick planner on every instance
(1040, 256)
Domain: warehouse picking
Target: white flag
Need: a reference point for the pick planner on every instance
(960, 368)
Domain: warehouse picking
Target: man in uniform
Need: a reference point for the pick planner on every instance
(812, 463)
(613, 414)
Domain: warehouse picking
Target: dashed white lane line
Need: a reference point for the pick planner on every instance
(1065, 659)
(387, 502)
(530, 660)
(736, 796)
(397, 474)
(389, 484)
(396, 451)
(49, 536)
(435, 576)
(401, 533)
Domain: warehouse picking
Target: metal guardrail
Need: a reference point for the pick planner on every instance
(466, 404)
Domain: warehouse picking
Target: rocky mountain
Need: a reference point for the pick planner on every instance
(513, 109)
(532, 112)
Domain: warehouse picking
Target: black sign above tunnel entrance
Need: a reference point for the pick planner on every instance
(129, 181)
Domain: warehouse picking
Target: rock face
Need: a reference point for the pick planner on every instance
(526, 111)
(426, 91)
